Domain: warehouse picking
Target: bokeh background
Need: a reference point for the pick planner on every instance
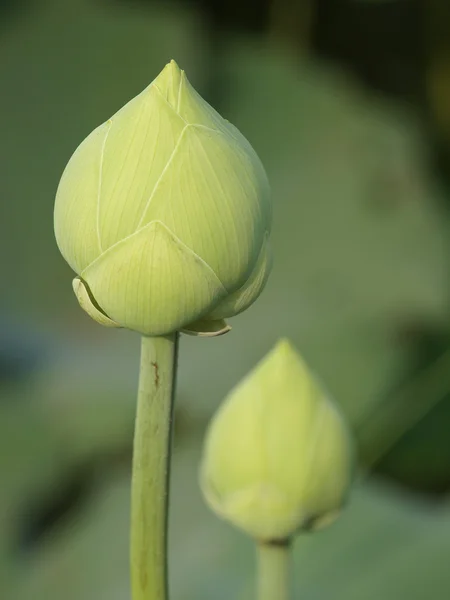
(348, 104)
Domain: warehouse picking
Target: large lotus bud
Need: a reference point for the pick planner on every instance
(164, 213)
(277, 457)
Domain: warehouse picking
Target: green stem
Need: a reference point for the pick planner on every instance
(151, 468)
(274, 580)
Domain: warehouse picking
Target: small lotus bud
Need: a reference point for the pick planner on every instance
(278, 456)
(164, 213)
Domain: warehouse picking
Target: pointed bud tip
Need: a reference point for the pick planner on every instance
(284, 346)
(169, 83)
(284, 353)
(172, 69)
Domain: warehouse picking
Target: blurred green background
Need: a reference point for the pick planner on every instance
(348, 104)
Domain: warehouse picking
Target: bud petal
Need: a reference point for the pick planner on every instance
(277, 456)
(76, 216)
(195, 110)
(169, 83)
(151, 283)
(142, 140)
(206, 328)
(88, 304)
(235, 303)
(205, 166)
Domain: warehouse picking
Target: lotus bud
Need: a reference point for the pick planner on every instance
(277, 456)
(164, 213)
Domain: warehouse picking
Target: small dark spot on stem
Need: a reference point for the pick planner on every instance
(156, 369)
(276, 543)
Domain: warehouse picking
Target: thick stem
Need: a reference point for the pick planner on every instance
(151, 468)
(273, 578)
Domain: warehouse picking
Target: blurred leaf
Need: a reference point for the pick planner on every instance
(383, 546)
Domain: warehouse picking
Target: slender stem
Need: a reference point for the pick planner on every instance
(151, 468)
(274, 579)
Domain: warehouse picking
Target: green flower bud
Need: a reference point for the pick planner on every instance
(278, 456)
(164, 213)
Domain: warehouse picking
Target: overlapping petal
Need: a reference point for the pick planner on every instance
(141, 142)
(241, 299)
(76, 202)
(151, 283)
(89, 305)
(213, 199)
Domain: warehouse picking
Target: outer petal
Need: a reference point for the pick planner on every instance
(261, 510)
(195, 110)
(174, 86)
(240, 300)
(76, 202)
(140, 146)
(206, 328)
(151, 283)
(333, 453)
(88, 305)
(213, 197)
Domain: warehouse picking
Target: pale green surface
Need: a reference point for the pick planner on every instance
(164, 211)
(277, 457)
